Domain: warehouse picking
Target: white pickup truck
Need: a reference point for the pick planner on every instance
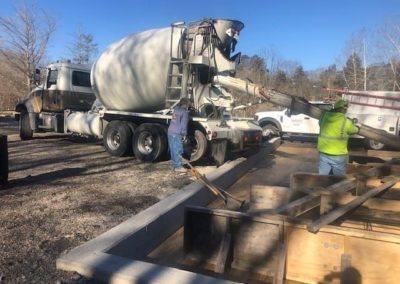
(377, 109)
(297, 126)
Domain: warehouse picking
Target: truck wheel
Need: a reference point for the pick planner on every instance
(149, 142)
(374, 145)
(132, 126)
(269, 131)
(195, 146)
(117, 138)
(25, 130)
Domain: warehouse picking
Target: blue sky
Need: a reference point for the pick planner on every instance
(311, 32)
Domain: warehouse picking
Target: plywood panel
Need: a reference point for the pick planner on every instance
(313, 258)
(255, 247)
(376, 262)
(269, 197)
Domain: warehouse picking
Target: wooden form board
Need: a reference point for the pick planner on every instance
(332, 255)
(317, 258)
(329, 257)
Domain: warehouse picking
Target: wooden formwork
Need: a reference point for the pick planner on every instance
(321, 229)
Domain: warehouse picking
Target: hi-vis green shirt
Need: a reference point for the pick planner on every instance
(334, 133)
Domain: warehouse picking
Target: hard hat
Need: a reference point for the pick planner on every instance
(341, 104)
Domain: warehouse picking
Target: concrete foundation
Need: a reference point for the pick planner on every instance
(115, 256)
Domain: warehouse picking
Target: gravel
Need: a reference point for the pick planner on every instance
(64, 191)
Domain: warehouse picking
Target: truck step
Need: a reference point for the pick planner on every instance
(45, 127)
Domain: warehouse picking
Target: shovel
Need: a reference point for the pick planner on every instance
(230, 200)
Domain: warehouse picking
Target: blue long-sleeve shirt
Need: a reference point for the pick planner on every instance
(179, 121)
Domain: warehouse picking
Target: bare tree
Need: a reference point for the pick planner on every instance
(83, 48)
(272, 60)
(357, 56)
(389, 45)
(26, 36)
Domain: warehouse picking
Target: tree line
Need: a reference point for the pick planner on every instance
(370, 61)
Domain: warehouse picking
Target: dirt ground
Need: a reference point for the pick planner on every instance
(64, 191)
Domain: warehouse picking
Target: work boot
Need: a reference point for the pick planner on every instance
(180, 170)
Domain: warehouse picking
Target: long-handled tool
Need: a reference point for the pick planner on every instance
(213, 188)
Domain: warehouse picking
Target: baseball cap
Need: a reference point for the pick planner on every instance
(341, 104)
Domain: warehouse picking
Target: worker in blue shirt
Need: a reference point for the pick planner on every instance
(177, 132)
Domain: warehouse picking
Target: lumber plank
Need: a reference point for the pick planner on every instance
(299, 206)
(280, 265)
(372, 203)
(308, 202)
(223, 253)
(376, 216)
(339, 212)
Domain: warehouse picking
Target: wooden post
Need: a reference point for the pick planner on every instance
(3, 160)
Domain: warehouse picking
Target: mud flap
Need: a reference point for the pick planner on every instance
(218, 151)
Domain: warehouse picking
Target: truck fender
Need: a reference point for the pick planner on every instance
(270, 120)
(30, 110)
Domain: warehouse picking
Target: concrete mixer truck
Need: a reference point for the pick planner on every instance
(136, 83)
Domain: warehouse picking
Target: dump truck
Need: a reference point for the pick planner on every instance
(135, 84)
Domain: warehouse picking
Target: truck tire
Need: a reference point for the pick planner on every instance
(269, 131)
(149, 142)
(132, 126)
(374, 145)
(117, 138)
(25, 130)
(195, 146)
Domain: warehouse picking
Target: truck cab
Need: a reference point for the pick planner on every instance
(66, 86)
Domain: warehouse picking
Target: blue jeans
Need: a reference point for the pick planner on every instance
(336, 165)
(175, 149)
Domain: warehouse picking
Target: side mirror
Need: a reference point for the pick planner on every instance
(36, 77)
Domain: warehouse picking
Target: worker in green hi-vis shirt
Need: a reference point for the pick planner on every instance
(334, 133)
